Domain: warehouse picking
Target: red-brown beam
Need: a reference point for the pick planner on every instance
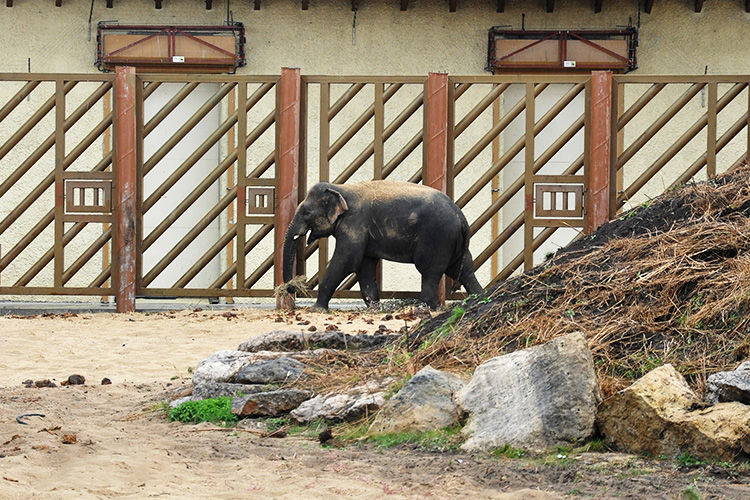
(110, 4)
(287, 188)
(601, 143)
(500, 5)
(126, 207)
(436, 173)
(404, 5)
(698, 5)
(209, 4)
(157, 4)
(256, 5)
(550, 6)
(648, 6)
(598, 6)
(453, 5)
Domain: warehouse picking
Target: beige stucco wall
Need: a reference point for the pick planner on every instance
(385, 41)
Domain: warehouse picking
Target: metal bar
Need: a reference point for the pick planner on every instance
(287, 171)
(488, 137)
(639, 104)
(241, 215)
(18, 98)
(87, 254)
(379, 140)
(187, 127)
(126, 195)
(170, 106)
(29, 124)
(711, 136)
(189, 237)
(479, 108)
(657, 125)
(344, 99)
(598, 191)
(530, 135)
(677, 146)
(264, 231)
(59, 249)
(217, 172)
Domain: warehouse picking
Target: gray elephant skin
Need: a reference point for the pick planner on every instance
(396, 221)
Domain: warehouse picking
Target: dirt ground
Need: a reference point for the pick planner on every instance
(109, 441)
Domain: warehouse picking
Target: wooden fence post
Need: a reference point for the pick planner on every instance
(436, 171)
(125, 252)
(601, 170)
(288, 147)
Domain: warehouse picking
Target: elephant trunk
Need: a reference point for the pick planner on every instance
(296, 229)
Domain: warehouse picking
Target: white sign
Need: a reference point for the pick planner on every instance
(569, 64)
(181, 59)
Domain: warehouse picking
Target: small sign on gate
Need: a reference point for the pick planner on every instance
(558, 200)
(259, 200)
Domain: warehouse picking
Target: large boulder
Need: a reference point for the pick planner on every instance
(426, 402)
(724, 387)
(348, 405)
(655, 416)
(284, 340)
(534, 399)
(223, 366)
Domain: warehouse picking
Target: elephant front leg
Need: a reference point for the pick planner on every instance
(342, 264)
(368, 280)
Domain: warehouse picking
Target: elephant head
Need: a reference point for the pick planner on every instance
(318, 214)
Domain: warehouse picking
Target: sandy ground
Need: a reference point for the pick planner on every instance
(109, 441)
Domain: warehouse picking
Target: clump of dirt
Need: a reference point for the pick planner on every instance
(667, 282)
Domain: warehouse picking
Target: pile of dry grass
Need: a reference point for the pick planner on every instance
(665, 283)
(676, 294)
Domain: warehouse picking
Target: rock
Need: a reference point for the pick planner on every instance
(350, 405)
(216, 390)
(724, 387)
(534, 399)
(283, 340)
(269, 404)
(222, 366)
(654, 416)
(74, 380)
(177, 402)
(426, 402)
(273, 371)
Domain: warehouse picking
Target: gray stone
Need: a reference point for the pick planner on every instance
(284, 340)
(534, 399)
(217, 390)
(269, 404)
(426, 402)
(654, 416)
(177, 402)
(724, 387)
(349, 405)
(223, 366)
(273, 371)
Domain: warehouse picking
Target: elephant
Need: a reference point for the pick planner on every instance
(383, 219)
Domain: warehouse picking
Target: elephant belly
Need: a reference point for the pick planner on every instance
(396, 251)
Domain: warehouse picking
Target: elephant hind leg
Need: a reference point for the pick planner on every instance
(467, 277)
(368, 280)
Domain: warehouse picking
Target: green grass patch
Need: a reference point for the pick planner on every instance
(508, 451)
(446, 439)
(214, 410)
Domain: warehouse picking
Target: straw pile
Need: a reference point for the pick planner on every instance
(665, 283)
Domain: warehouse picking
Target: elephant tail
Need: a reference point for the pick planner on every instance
(466, 233)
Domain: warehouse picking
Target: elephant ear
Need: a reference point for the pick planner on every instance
(336, 205)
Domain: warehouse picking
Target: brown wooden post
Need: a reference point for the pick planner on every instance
(287, 176)
(600, 178)
(126, 197)
(436, 173)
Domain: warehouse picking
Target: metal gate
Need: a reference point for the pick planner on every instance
(182, 186)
